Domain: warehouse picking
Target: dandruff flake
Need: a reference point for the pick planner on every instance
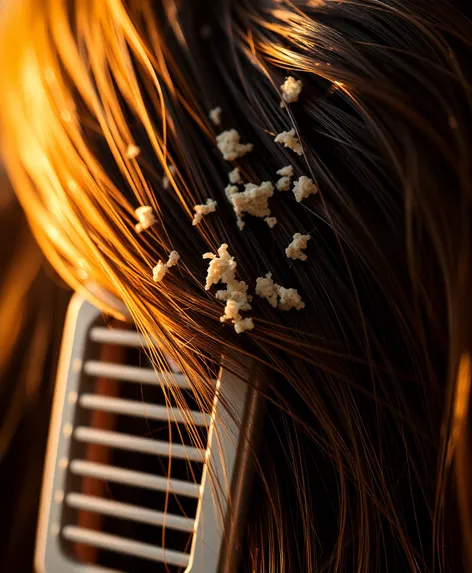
(173, 259)
(235, 176)
(278, 297)
(222, 268)
(296, 247)
(283, 184)
(286, 171)
(228, 143)
(290, 140)
(303, 188)
(271, 221)
(201, 210)
(160, 270)
(254, 200)
(289, 299)
(215, 115)
(266, 288)
(146, 219)
(132, 151)
(291, 89)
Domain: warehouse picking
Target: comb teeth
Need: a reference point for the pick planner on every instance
(115, 490)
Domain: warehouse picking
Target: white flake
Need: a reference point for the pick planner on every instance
(160, 270)
(299, 243)
(201, 210)
(283, 184)
(235, 176)
(254, 200)
(229, 144)
(222, 268)
(271, 221)
(278, 296)
(215, 115)
(291, 89)
(286, 171)
(289, 298)
(132, 151)
(303, 188)
(266, 288)
(290, 140)
(145, 217)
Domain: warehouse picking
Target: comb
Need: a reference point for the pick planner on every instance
(124, 488)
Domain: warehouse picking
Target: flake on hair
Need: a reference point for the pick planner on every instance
(160, 270)
(291, 90)
(201, 210)
(215, 115)
(271, 221)
(243, 324)
(228, 143)
(145, 215)
(222, 268)
(173, 259)
(303, 188)
(235, 176)
(266, 288)
(283, 184)
(132, 151)
(290, 140)
(286, 171)
(278, 296)
(295, 248)
(289, 299)
(254, 200)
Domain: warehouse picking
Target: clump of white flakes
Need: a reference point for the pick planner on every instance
(165, 179)
(286, 174)
(271, 221)
(286, 171)
(201, 210)
(290, 140)
(303, 188)
(132, 151)
(215, 115)
(222, 268)
(253, 200)
(289, 298)
(243, 324)
(291, 90)
(299, 243)
(229, 144)
(173, 259)
(235, 176)
(160, 270)
(283, 184)
(266, 288)
(278, 296)
(146, 218)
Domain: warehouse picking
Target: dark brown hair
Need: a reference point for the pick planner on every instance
(360, 434)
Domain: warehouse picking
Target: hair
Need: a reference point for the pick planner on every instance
(364, 456)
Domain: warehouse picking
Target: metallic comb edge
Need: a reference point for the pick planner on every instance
(223, 493)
